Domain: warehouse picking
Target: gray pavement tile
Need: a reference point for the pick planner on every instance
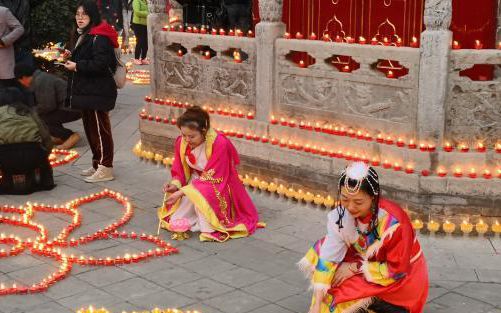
(435, 292)
(275, 237)
(271, 308)
(273, 290)
(200, 308)
(439, 258)
(270, 247)
(235, 302)
(209, 266)
(447, 284)
(104, 276)
(478, 261)
(489, 276)
(186, 255)
(133, 287)
(171, 276)
(203, 289)
(452, 274)
(22, 261)
(22, 302)
(163, 299)
(294, 277)
(487, 292)
(239, 277)
(456, 303)
(33, 274)
(49, 307)
(149, 266)
(96, 297)
(124, 306)
(67, 287)
(479, 245)
(432, 307)
(298, 303)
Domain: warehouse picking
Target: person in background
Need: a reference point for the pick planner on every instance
(126, 16)
(239, 14)
(111, 12)
(21, 9)
(10, 30)
(25, 145)
(50, 95)
(139, 26)
(92, 88)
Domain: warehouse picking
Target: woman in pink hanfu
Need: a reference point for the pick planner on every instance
(205, 188)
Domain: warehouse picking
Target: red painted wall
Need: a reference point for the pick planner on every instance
(472, 20)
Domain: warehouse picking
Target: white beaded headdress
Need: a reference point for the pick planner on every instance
(359, 171)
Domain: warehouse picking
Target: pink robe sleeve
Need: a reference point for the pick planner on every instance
(177, 171)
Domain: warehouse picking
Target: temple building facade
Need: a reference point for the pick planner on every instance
(411, 86)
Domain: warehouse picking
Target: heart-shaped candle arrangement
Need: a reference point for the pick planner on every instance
(54, 248)
(60, 157)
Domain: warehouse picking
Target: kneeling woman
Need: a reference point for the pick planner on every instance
(370, 258)
(206, 190)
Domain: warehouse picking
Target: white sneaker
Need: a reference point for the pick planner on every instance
(88, 172)
(102, 173)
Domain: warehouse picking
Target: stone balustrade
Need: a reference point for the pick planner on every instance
(429, 105)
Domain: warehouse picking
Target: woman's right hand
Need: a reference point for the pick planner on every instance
(170, 188)
(66, 54)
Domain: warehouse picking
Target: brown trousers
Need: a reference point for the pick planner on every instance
(98, 131)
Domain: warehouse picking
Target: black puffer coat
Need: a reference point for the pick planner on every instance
(92, 86)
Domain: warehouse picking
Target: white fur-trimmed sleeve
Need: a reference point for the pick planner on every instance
(338, 240)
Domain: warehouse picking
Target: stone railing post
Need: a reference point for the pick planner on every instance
(267, 31)
(498, 36)
(434, 69)
(157, 18)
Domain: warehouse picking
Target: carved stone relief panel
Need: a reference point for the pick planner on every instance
(304, 91)
(231, 82)
(205, 82)
(379, 102)
(474, 113)
(361, 100)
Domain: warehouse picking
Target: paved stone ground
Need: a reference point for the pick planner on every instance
(255, 274)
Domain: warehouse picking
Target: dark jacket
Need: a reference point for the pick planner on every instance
(92, 86)
(49, 90)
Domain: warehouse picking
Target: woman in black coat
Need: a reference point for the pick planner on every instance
(91, 87)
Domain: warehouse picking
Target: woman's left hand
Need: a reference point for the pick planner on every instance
(174, 197)
(70, 66)
(343, 272)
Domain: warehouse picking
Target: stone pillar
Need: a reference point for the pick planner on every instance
(498, 36)
(434, 69)
(267, 31)
(157, 19)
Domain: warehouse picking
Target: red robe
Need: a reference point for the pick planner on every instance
(394, 268)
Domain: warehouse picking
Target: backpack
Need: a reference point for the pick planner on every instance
(120, 75)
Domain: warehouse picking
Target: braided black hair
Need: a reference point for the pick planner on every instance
(369, 185)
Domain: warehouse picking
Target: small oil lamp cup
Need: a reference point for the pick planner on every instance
(179, 229)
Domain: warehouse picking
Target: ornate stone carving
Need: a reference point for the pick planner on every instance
(307, 91)
(474, 114)
(232, 83)
(157, 6)
(179, 75)
(378, 102)
(438, 14)
(270, 10)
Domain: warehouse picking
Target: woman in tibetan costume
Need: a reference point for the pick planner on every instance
(370, 258)
(206, 190)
